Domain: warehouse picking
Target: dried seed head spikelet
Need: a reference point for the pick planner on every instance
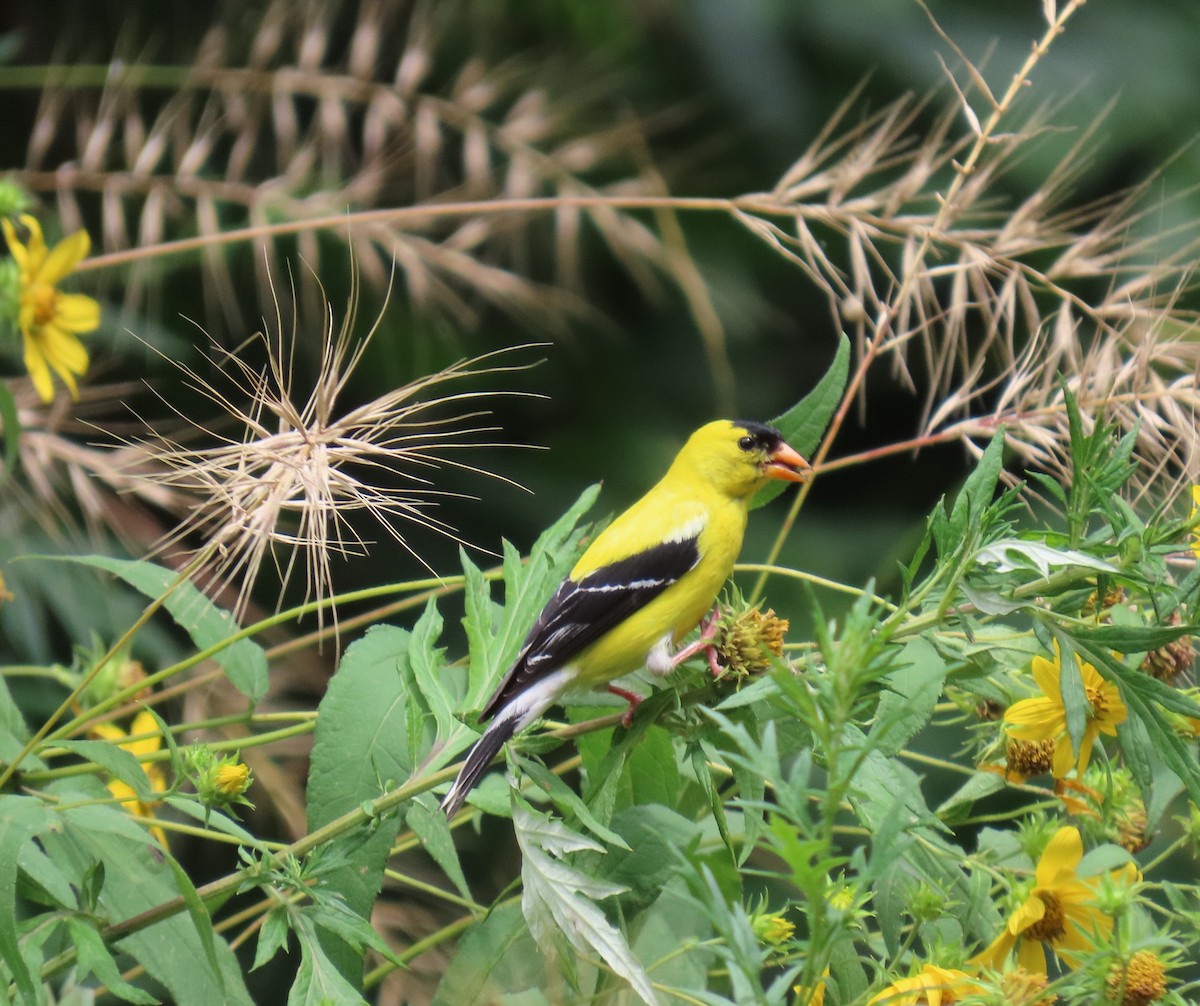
(304, 466)
(1140, 982)
(749, 639)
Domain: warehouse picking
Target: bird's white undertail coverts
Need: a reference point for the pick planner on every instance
(644, 583)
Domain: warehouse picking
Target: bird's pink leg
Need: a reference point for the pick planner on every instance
(634, 701)
(708, 632)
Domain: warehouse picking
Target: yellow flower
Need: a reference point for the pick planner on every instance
(814, 996)
(1059, 911)
(931, 986)
(1143, 980)
(232, 779)
(1045, 717)
(143, 723)
(51, 322)
(1196, 514)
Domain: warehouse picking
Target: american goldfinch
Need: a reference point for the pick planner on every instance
(642, 585)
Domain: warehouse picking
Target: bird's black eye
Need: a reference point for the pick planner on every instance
(746, 443)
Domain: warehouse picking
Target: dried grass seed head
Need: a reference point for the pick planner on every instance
(289, 487)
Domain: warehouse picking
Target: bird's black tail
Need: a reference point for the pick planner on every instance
(478, 759)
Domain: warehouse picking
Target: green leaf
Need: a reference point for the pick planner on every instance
(198, 969)
(803, 424)
(566, 799)
(1133, 638)
(94, 958)
(427, 664)
(430, 826)
(272, 937)
(1009, 554)
(361, 743)
(912, 690)
(559, 899)
(700, 757)
(116, 761)
(318, 981)
(212, 818)
(977, 491)
(53, 885)
(657, 842)
(21, 817)
(244, 662)
(977, 786)
(495, 634)
(13, 730)
(497, 955)
(12, 428)
(197, 912)
(1076, 706)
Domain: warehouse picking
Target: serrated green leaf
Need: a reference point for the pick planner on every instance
(1143, 695)
(803, 424)
(210, 817)
(699, 761)
(656, 843)
(318, 981)
(197, 972)
(197, 912)
(21, 817)
(977, 786)
(1133, 638)
(361, 743)
(567, 800)
(117, 762)
(94, 958)
(559, 901)
(244, 662)
(496, 955)
(911, 692)
(977, 491)
(428, 663)
(1009, 554)
(39, 869)
(13, 730)
(496, 633)
(429, 824)
(1076, 707)
(272, 936)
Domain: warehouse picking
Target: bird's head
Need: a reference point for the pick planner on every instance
(740, 456)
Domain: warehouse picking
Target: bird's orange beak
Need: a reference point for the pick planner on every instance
(786, 464)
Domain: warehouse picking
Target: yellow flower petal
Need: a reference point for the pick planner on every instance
(76, 312)
(39, 372)
(1048, 675)
(1032, 911)
(1194, 515)
(1032, 957)
(1061, 858)
(15, 247)
(1064, 756)
(1036, 719)
(67, 254)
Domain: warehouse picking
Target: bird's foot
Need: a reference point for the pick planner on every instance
(634, 701)
(703, 643)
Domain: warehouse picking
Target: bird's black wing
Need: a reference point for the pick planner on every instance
(580, 612)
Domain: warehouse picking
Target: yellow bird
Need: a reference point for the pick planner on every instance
(641, 586)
